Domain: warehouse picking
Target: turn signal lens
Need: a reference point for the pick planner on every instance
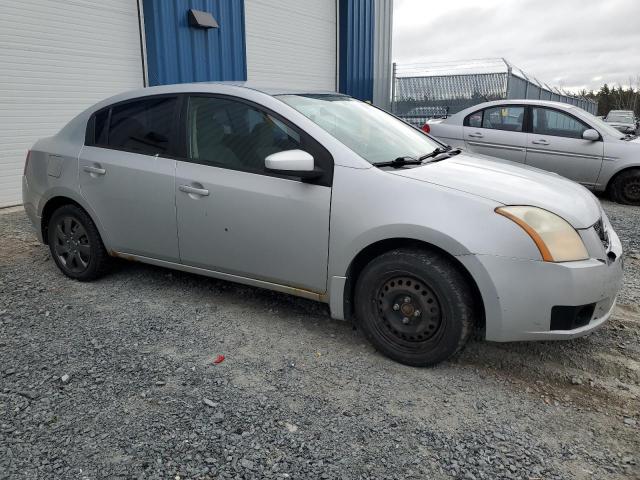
(555, 238)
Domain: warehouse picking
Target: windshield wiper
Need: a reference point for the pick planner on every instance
(435, 153)
(402, 161)
(441, 154)
(399, 162)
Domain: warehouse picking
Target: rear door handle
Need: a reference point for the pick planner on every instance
(203, 192)
(476, 135)
(542, 141)
(94, 170)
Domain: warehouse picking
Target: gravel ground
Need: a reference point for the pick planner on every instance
(116, 379)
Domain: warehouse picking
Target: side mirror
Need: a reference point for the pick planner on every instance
(296, 163)
(591, 135)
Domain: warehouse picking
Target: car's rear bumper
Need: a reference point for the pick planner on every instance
(30, 208)
(520, 295)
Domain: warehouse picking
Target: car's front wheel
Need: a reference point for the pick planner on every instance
(75, 244)
(415, 306)
(625, 188)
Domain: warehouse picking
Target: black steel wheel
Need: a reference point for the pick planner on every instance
(625, 187)
(409, 310)
(75, 244)
(415, 306)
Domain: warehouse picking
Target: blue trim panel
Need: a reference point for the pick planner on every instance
(356, 48)
(178, 53)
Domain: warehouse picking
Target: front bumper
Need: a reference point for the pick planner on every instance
(519, 295)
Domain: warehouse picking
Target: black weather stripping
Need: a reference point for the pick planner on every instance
(200, 19)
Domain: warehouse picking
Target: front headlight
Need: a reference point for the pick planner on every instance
(556, 239)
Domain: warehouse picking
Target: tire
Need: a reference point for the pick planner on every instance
(625, 188)
(415, 306)
(75, 244)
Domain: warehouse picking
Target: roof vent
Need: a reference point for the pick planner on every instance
(201, 19)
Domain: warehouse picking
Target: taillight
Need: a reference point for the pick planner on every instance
(426, 128)
(26, 162)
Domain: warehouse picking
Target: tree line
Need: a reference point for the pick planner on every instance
(615, 98)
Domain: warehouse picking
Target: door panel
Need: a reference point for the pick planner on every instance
(556, 144)
(233, 215)
(579, 160)
(498, 132)
(253, 225)
(134, 198)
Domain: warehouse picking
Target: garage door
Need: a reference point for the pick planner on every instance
(291, 43)
(57, 57)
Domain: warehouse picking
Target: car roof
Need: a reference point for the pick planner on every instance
(495, 103)
(213, 87)
(544, 103)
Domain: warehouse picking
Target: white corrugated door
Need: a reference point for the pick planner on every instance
(291, 43)
(57, 57)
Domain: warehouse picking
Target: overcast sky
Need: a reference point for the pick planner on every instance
(574, 44)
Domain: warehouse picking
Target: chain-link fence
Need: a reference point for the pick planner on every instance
(421, 92)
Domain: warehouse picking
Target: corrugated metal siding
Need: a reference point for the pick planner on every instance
(356, 48)
(517, 87)
(533, 91)
(57, 57)
(383, 21)
(291, 43)
(178, 53)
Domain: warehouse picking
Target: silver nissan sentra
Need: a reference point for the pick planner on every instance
(325, 197)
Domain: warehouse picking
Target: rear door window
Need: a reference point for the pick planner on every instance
(504, 118)
(144, 126)
(474, 120)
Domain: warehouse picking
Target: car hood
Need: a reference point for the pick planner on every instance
(511, 183)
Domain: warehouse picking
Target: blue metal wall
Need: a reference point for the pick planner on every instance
(178, 53)
(356, 32)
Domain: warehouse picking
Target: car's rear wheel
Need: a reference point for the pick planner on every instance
(415, 306)
(625, 188)
(75, 244)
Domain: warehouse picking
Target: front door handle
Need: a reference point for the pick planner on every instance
(94, 170)
(476, 135)
(202, 192)
(542, 141)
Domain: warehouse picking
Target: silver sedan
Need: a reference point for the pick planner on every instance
(331, 199)
(552, 136)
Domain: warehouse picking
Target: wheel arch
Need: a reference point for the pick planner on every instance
(59, 199)
(620, 172)
(377, 248)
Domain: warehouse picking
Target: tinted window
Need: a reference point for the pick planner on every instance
(556, 123)
(474, 120)
(100, 126)
(504, 118)
(142, 126)
(236, 135)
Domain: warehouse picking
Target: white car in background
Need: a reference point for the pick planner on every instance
(552, 136)
(623, 120)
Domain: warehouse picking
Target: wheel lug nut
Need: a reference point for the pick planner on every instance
(417, 313)
(407, 299)
(396, 307)
(405, 320)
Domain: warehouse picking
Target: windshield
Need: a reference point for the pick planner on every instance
(619, 118)
(373, 134)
